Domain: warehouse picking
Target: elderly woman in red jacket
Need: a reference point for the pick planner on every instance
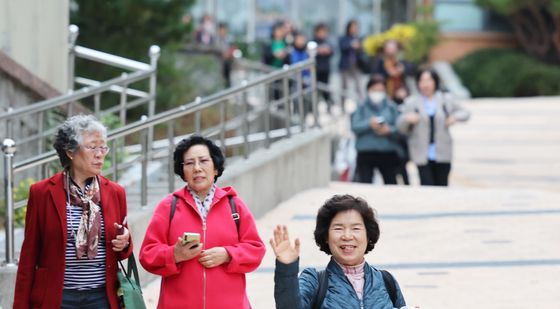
(75, 227)
(209, 272)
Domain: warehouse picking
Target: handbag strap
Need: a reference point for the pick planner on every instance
(132, 269)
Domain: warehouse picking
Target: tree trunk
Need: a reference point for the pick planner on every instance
(556, 38)
(531, 31)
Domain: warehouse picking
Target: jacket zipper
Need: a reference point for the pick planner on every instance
(204, 268)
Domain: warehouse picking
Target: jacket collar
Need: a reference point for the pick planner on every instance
(183, 193)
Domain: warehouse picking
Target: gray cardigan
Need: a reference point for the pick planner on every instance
(419, 134)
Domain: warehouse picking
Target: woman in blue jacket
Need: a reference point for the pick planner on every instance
(377, 137)
(347, 229)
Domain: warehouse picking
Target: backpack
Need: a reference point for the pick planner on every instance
(323, 279)
(234, 213)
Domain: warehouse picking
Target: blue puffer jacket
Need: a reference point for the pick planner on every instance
(291, 292)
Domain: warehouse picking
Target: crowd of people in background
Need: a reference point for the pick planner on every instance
(390, 126)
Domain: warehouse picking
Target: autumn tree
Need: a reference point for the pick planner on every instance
(536, 24)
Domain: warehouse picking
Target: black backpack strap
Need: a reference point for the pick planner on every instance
(323, 280)
(390, 286)
(234, 213)
(172, 210)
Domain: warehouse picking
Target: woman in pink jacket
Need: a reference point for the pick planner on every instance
(210, 272)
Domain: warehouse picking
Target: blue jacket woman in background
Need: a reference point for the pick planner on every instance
(347, 229)
(377, 137)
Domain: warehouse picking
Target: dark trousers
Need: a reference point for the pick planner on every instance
(401, 170)
(434, 173)
(385, 162)
(88, 299)
(323, 77)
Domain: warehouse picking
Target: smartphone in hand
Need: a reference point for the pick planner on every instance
(190, 238)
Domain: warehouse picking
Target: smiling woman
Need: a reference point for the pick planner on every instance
(346, 228)
(195, 272)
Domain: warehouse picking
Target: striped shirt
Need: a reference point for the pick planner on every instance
(82, 274)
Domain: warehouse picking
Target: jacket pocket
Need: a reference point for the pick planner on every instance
(39, 286)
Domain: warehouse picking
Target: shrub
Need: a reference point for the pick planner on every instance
(507, 73)
(417, 39)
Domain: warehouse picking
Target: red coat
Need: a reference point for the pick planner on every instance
(40, 274)
(188, 284)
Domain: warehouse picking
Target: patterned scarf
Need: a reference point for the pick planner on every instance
(203, 206)
(89, 230)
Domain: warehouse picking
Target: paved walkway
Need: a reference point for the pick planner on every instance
(489, 241)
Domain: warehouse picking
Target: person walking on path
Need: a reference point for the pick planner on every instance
(426, 119)
(322, 60)
(374, 124)
(208, 272)
(75, 227)
(350, 49)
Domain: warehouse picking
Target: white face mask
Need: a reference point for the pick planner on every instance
(376, 96)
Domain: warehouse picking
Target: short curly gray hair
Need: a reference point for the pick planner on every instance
(69, 135)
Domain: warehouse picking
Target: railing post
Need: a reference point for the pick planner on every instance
(114, 161)
(314, 96)
(9, 148)
(287, 103)
(155, 52)
(97, 105)
(197, 117)
(244, 99)
(312, 51)
(122, 108)
(267, 116)
(74, 31)
(9, 128)
(223, 125)
(40, 127)
(145, 155)
(300, 101)
(170, 147)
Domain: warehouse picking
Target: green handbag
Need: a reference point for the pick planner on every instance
(129, 291)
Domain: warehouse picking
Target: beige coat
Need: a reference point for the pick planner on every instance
(419, 134)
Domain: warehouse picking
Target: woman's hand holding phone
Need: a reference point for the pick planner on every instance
(184, 252)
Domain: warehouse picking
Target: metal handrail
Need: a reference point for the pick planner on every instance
(147, 124)
(75, 95)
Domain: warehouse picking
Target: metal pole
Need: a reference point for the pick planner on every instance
(155, 52)
(376, 16)
(97, 104)
(145, 155)
(197, 117)
(9, 148)
(267, 116)
(251, 21)
(300, 101)
(170, 146)
(287, 105)
(245, 122)
(122, 109)
(314, 95)
(114, 162)
(312, 51)
(223, 126)
(73, 36)
(9, 131)
(40, 125)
